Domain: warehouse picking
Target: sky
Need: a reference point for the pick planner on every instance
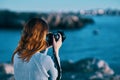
(57, 5)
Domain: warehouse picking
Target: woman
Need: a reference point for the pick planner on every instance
(29, 60)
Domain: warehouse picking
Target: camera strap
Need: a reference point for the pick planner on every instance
(58, 67)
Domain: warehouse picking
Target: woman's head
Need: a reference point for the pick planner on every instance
(33, 38)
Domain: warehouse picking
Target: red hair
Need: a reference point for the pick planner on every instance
(33, 39)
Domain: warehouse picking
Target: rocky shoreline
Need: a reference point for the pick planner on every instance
(85, 69)
(70, 20)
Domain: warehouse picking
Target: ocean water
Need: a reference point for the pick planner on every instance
(100, 40)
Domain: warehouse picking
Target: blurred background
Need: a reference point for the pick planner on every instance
(92, 28)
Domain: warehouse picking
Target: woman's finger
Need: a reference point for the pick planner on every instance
(60, 39)
(54, 40)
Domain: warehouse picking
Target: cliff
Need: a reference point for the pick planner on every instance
(15, 20)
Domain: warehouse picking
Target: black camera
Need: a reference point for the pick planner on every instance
(49, 37)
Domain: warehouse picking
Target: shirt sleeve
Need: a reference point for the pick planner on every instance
(52, 71)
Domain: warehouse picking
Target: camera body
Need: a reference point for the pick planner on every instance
(49, 37)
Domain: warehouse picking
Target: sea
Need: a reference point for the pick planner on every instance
(99, 40)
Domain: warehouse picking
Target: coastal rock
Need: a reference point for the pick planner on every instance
(13, 20)
(6, 71)
(93, 65)
(67, 66)
(87, 69)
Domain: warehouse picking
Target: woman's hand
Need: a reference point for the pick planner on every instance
(57, 45)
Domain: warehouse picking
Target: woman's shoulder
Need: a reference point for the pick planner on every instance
(43, 56)
(47, 58)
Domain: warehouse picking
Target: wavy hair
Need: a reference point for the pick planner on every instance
(33, 39)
